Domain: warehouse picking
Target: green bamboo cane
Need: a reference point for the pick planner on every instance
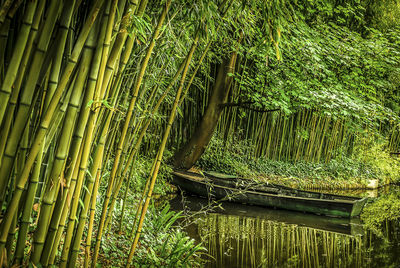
(65, 205)
(94, 170)
(203, 55)
(17, 85)
(47, 119)
(26, 98)
(135, 148)
(144, 129)
(20, 160)
(105, 70)
(91, 220)
(131, 153)
(157, 164)
(76, 197)
(27, 210)
(58, 164)
(101, 87)
(106, 50)
(121, 177)
(16, 58)
(61, 40)
(58, 220)
(138, 83)
(124, 131)
(62, 150)
(120, 40)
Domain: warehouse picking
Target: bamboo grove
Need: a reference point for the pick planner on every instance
(291, 109)
(81, 82)
(87, 86)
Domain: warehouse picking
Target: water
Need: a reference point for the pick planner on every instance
(249, 236)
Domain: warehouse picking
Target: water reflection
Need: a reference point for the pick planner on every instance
(250, 236)
(236, 241)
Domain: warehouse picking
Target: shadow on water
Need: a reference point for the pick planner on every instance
(249, 236)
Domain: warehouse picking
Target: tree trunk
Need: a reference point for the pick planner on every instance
(187, 156)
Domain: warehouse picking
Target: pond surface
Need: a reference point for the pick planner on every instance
(249, 236)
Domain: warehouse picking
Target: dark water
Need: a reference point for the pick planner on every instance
(250, 236)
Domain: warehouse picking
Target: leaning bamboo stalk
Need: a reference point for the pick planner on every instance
(54, 179)
(77, 192)
(36, 145)
(27, 210)
(135, 148)
(16, 58)
(124, 131)
(203, 55)
(126, 55)
(91, 220)
(42, 232)
(4, 10)
(120, 40)
(157, 164)
(101, 87)
(26, 99)
(18, 82)
(95, 171)
(20, 163)
(58, 220)
(64, 205)
(106, 50)
(185, 64)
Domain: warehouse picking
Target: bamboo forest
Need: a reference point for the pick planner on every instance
(199, 133)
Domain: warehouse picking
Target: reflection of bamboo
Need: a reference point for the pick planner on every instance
(259, 242)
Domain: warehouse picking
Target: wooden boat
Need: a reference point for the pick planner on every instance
(237, 190)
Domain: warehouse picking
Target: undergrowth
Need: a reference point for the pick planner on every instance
(381, 212)
(235, 157)
(163, 242)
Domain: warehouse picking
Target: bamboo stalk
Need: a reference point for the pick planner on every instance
(157, 161)
(36, 145)
(16, 58)
(100, 91)
(91, 220)
(184, 64)
(54, 179)
(70, 179)
(26, 99)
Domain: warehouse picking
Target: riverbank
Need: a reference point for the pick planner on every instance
(377, 168)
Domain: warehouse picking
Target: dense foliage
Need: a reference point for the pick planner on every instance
(92, 102)
(383, 212)
(339, 173)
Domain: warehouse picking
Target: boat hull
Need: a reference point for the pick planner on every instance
(197, 185)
